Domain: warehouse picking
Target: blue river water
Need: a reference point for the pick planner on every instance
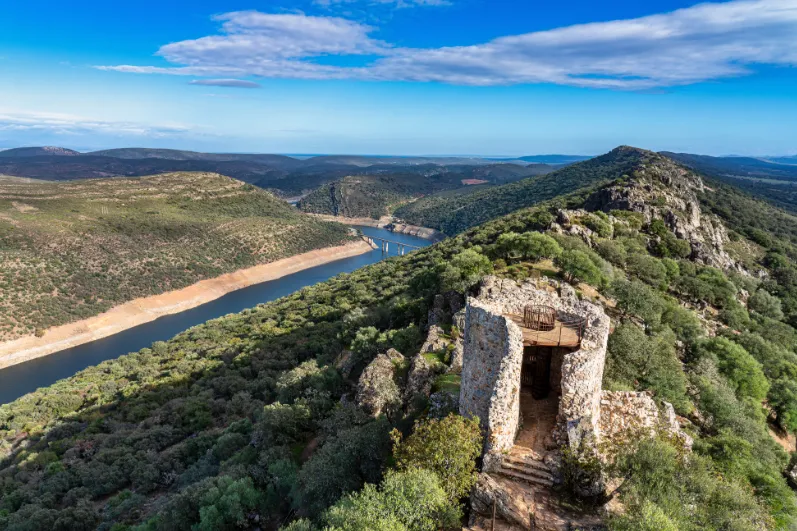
(18, 380)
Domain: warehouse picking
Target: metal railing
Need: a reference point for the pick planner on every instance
(551, 326)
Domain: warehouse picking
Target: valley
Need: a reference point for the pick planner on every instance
(313, 409)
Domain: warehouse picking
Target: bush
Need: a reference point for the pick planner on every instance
(743, 372)
(612, 251)
(637, 361)
(648, 269)
(448, 447)
(464, 270)
(411, 500)
(635, 298)
(766, 304)
(578, 266)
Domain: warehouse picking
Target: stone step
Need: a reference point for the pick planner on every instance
(529, 471)
(523, 476)
(526, 461)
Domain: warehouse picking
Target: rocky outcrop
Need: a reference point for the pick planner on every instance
(435, 340)
(512, 504)
(661, 189)
(626, 416)
(377, 391)
(421, 377)
(443, 403)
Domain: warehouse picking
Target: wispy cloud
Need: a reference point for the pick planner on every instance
(704, 42)
(66, 124)
(399, 4)
(232, 83)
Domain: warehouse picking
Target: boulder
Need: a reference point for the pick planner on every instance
(512, 504)
(421, 377)
(442, 404)
(377, 392)
(435, 340)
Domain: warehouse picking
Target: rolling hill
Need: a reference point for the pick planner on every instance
(72, 250)
(453, 214)
(255, 419)
(378, 193)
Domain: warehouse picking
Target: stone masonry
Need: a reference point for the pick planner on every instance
(493, 353)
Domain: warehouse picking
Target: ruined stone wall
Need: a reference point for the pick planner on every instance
(627, 414)
(582, 370)
(490, 390)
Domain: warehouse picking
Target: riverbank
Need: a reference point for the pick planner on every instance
(388, 223)
(146, 309)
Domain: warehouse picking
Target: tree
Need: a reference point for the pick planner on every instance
(636, 298)
(536, 246)
(766, 304)
(465, 270)
(448, 447)
(577, 266)
(648, 269)
(412, 500)
(743, 372)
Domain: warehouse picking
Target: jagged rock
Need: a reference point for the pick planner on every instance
(435, 340)
(791, 475)
(443, 403)
(421, 377)
(662, 189)
(456, 356)
(444, 306)
(511, 504)
(345, 363)
(437, 313)
(459, 320)
(395, 356)
(377, 392)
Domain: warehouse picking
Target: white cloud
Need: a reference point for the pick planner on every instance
(699, 43)
(232, 83)
(396, 3)
(67, 124)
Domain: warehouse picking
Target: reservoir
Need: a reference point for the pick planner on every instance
(18, 380)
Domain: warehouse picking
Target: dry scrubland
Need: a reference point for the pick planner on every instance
(71, 250)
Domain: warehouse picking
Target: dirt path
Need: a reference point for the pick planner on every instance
(146, 309)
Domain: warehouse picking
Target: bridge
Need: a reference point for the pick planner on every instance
(384, 244)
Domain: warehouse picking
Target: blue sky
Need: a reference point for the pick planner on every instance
(484, 77)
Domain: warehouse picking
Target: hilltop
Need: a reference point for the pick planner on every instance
(46, 151)
(456, 213)
(72, 250)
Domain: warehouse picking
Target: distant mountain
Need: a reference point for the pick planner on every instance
(740, 167)
(554, 159)
(782, 160)
(773, 180)
(280, 161)
(44, 151)
(453, 213)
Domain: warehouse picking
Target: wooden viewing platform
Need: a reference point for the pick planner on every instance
(561, 335)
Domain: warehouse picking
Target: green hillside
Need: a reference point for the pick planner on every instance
(249, 421)
(366, 195)
(71, 250)
(452, 215)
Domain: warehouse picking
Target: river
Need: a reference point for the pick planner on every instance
(18, 380)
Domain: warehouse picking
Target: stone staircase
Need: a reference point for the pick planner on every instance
(524, 464)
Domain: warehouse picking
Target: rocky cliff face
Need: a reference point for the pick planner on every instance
(661, 189)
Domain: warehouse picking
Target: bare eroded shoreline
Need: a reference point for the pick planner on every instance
(386, 221)
(146, 309)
